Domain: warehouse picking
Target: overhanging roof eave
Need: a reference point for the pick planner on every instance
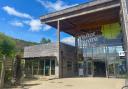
(79, 14)
(75, 8)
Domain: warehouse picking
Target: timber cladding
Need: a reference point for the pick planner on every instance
(41, 50)
(45, 50)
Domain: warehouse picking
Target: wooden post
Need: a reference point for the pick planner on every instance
(44, 67)
(2, 73)
(32, 68)
(57, 68)
(38, 67)
(124, 23)
(50, 67)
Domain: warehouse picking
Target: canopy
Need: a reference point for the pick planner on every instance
(86, 17)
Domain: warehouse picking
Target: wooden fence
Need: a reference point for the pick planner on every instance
(5, 64)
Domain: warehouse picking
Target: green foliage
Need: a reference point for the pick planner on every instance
(45, 41)
(8, 76)
(7, 47)
(11, 47)
(15, 46)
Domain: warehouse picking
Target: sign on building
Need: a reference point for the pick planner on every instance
(121, 53)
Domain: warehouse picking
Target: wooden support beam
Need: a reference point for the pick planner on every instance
(124, 23)
(50, 68)
(44, 68)
(38, 67)
(57, 68)
(32, 70)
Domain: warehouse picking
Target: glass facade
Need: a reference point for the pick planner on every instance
(101, 47)
(40, 66)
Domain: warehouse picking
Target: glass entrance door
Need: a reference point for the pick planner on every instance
(99, 69)
(47, 67)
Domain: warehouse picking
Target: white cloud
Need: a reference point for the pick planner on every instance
(12, 11)
(58, 5)
(16, 23)
(35, 25)
(69, 40)
(46, 27)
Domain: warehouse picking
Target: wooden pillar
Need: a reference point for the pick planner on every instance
(124, 23)
(50, 67)
(38, 67)
(44, 67)
(32, 68)
(2, 73)
(58, 65)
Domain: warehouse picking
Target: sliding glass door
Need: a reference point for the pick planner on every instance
(40, 66)
(47, 67)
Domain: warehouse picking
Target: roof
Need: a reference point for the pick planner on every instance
(45, 50)
(42, 50)
(84, 16)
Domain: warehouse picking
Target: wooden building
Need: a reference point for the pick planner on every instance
(41, 61)
(100, 29)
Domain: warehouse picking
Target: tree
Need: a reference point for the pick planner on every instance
(45, 41)
(7, 47)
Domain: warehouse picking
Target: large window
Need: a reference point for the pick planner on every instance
(104, 44)
(52, 67)
(40, 66)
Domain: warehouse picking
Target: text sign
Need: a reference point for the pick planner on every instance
(121, 53)
(89, 38)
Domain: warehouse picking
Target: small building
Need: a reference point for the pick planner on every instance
(42, 60)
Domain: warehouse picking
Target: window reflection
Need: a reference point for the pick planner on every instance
(106, 48)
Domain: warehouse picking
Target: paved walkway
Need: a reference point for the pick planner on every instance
(77, 83)
(126, 83)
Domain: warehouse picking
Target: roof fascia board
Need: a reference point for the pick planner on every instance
(83, 13)
(68, 10)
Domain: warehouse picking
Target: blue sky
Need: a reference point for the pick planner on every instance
(20, 18)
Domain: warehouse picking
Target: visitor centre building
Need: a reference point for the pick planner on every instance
(101, 41)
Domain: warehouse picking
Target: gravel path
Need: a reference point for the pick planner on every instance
(77, 83)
